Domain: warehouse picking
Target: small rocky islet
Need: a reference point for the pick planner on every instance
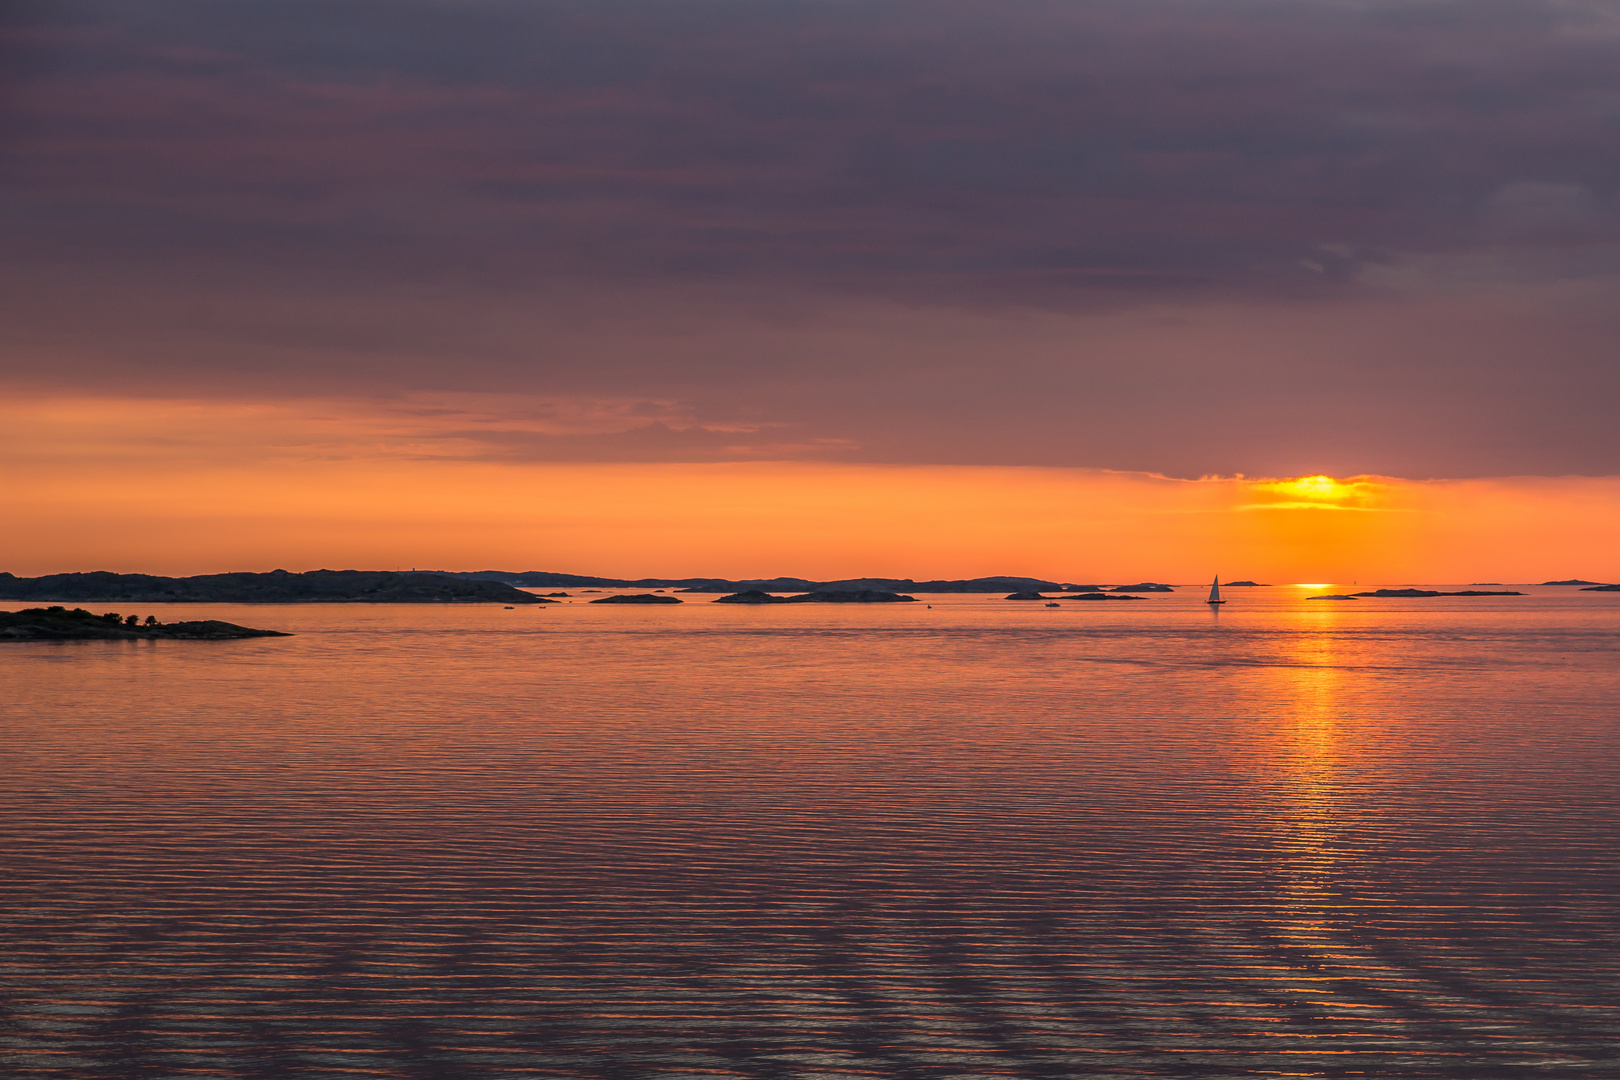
(76, 624)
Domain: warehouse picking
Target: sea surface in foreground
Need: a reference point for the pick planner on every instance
(959, 838)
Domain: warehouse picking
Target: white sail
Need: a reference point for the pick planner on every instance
(1215, 591)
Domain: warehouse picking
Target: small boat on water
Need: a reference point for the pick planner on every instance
(1215, 592)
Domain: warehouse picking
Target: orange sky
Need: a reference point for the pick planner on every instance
(178, 487)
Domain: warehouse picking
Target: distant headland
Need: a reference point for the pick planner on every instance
(275, 587)
(60, 624)
(481, 586)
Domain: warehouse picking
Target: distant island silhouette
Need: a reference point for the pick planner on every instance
(275, 587)
(1387, 593)
(1575, 581)
(1070, 596)
(805, 585)
(61, 624)
(489, 587)
(821, 596)
(750, 596)
(1601, 588)
(640, 598)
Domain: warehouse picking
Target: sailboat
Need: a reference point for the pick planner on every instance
(1215, 592)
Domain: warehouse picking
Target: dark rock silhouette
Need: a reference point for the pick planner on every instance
(765, 585)
(851, 596)
(62, 624)
(1601, 588)
(276, 587)
(1243, 585)
(1025, 596)
(1334, 596)
(1396, 593)
(1577, 581)
(640, 598)
(749, 596)
(1100, 596)
(1146, 586)
(546, 579)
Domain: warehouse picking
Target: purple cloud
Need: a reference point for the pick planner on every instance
(911, 231)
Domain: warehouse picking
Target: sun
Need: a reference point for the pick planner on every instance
(1317, 492)
(1317, 488)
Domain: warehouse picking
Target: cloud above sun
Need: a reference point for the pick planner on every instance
(1165, 236)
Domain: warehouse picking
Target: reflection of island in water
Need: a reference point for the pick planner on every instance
(60, 624)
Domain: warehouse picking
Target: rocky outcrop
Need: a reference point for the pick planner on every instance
(750, 596)
(62, 624)
(639, 598)
(851, 596)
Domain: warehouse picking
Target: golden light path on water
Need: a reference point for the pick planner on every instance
(966, 837)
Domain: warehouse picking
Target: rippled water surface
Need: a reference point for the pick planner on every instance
(978, 838)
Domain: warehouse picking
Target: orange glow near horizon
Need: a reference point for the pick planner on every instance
(100, 487)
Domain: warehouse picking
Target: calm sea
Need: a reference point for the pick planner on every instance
(974, 839)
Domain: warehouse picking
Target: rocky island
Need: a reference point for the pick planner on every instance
(1601, 588)
(275, 587)
(827, 596)
(61, 624)
(638, 598)
(748, 596)
(851, 596)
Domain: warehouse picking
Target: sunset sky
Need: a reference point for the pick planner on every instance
(1082, 290)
